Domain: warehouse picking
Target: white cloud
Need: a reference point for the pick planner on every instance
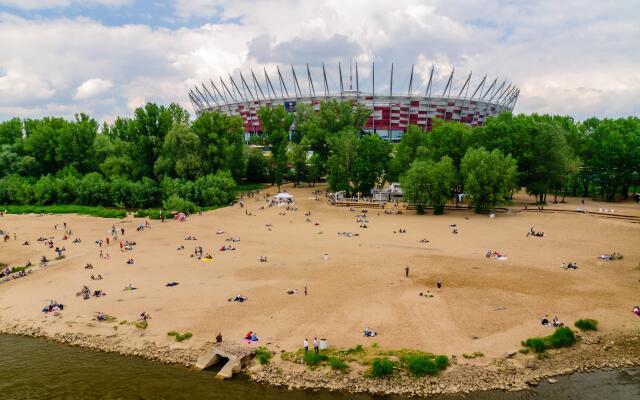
(49, 4)
(566, 58)
(92, 87)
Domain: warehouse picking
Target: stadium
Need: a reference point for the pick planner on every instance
(417, 100)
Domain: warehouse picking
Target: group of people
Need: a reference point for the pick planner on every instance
(316, 345)
(554, 323)
(534, 233)
(611, 257)
(569, 265)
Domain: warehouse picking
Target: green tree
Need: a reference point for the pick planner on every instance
(488, 177)
(371, 159)
(429, 183)
(344, 152)
(276, 123)
(181, 154)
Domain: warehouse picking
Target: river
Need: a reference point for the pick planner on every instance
(37, 369)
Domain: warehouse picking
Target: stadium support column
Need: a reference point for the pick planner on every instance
(373, 95)
(390, 103)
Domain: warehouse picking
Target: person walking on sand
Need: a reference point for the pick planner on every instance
(305, 344)
(305, 290)
(316, 349)
(406, 271)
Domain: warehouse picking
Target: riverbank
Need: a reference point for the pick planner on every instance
(513, 372)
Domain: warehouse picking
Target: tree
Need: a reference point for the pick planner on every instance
(429, 183)
(298, 159)
(257, 166)
(488, 177)
(412, 143)
(372, 157)
(181, 154)
(276, 123)
(344, 151)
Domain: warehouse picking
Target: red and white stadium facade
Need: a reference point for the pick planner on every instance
(391, 113)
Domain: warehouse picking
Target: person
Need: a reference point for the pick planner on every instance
(636, 310)
(219, 338)
(406, 271)
(305, 290)
(439, 284)
(316, 348)
(305, 344)
(545, 321)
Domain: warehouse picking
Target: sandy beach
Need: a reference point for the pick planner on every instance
(485, 305)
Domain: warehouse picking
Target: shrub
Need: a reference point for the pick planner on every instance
(562, 337)
(381, 367)
(263, 355)
(587, 324)
(473, 355)
(442, 362)
(420, 365)
(180, 336)
(177, 203)
(338, 364)
(536, 344)
(312, 359)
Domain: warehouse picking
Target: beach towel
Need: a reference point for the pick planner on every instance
(501, 258)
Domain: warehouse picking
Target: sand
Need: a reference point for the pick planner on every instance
(485, 304)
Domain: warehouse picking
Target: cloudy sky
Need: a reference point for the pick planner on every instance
(107, 57)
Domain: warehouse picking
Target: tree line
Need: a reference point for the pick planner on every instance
(160, 157)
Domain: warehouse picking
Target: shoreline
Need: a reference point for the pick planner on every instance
(513, 372)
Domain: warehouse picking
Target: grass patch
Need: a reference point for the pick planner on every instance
(313, 360)
(475, 354)
(338, 364)
(151, 213)
(180, 336)
(101, 212)
(17, 269)
(249, 187)
(586, 324)
(381, 367)
(141, 324)
(562, 337)
(422, 364)
(263, 355)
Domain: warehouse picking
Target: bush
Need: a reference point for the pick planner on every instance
(562, 337)
(263, 355)
(381, 367)
(442, 362)
(536, 344)
(337, 364)
(180, 336)
(420, 365)
(312, 359)
(177, 203)
(587, 324)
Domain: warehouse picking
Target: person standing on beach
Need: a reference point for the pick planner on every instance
(316, 349)
(305, 344)
(406, 271)
(305, 290)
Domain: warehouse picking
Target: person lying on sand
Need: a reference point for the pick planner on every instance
(239, 298)
(262, 259)
(26, 243)
(636, 310)
(130, 261)
(571, 265)
(190, 238)
(428, 294)
(219, 232)
(53, 306)
(181, 247)
(171, 284)
(423, 241)
(251, 336)
(129, 287)
(88, 266)
(100, 316)
(144, 317)
(98, 293)
(369, 333)
(292, 291)
(77, 240)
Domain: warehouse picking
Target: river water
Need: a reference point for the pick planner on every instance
(37, 369)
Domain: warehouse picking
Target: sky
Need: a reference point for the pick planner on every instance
(108, 57)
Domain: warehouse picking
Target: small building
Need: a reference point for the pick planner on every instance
(391, 193)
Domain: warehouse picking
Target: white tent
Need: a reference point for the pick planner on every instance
(283, 196)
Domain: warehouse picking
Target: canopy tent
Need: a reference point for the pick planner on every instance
(283, 196)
